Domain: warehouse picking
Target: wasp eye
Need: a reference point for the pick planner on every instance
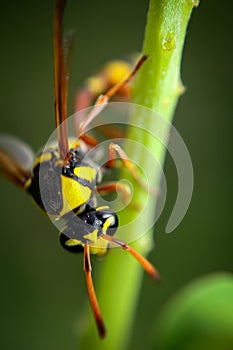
(109, 220)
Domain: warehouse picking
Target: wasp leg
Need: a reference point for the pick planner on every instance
(91, 292)
(89, 140)
(102, 100)
(111, 131)
(115, 186)
(148, 267)
(83, 100)
(114, 150)
(105, 130)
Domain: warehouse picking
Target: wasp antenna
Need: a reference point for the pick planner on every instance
(148, 267)
(91, 292)
(60, 83)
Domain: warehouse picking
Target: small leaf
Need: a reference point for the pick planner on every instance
(198, 317)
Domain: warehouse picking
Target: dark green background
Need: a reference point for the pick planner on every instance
(42, 287)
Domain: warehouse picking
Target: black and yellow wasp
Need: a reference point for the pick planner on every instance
(69, 182)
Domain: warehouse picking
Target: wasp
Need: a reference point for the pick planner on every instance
(69, 181)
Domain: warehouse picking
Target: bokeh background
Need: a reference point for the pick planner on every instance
(42, 287)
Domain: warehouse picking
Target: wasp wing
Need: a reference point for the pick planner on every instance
(16, 159)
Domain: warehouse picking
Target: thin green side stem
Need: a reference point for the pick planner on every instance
(158, 87)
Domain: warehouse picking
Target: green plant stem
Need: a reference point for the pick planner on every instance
(158, 87)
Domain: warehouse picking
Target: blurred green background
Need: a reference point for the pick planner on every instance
(42, 287)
